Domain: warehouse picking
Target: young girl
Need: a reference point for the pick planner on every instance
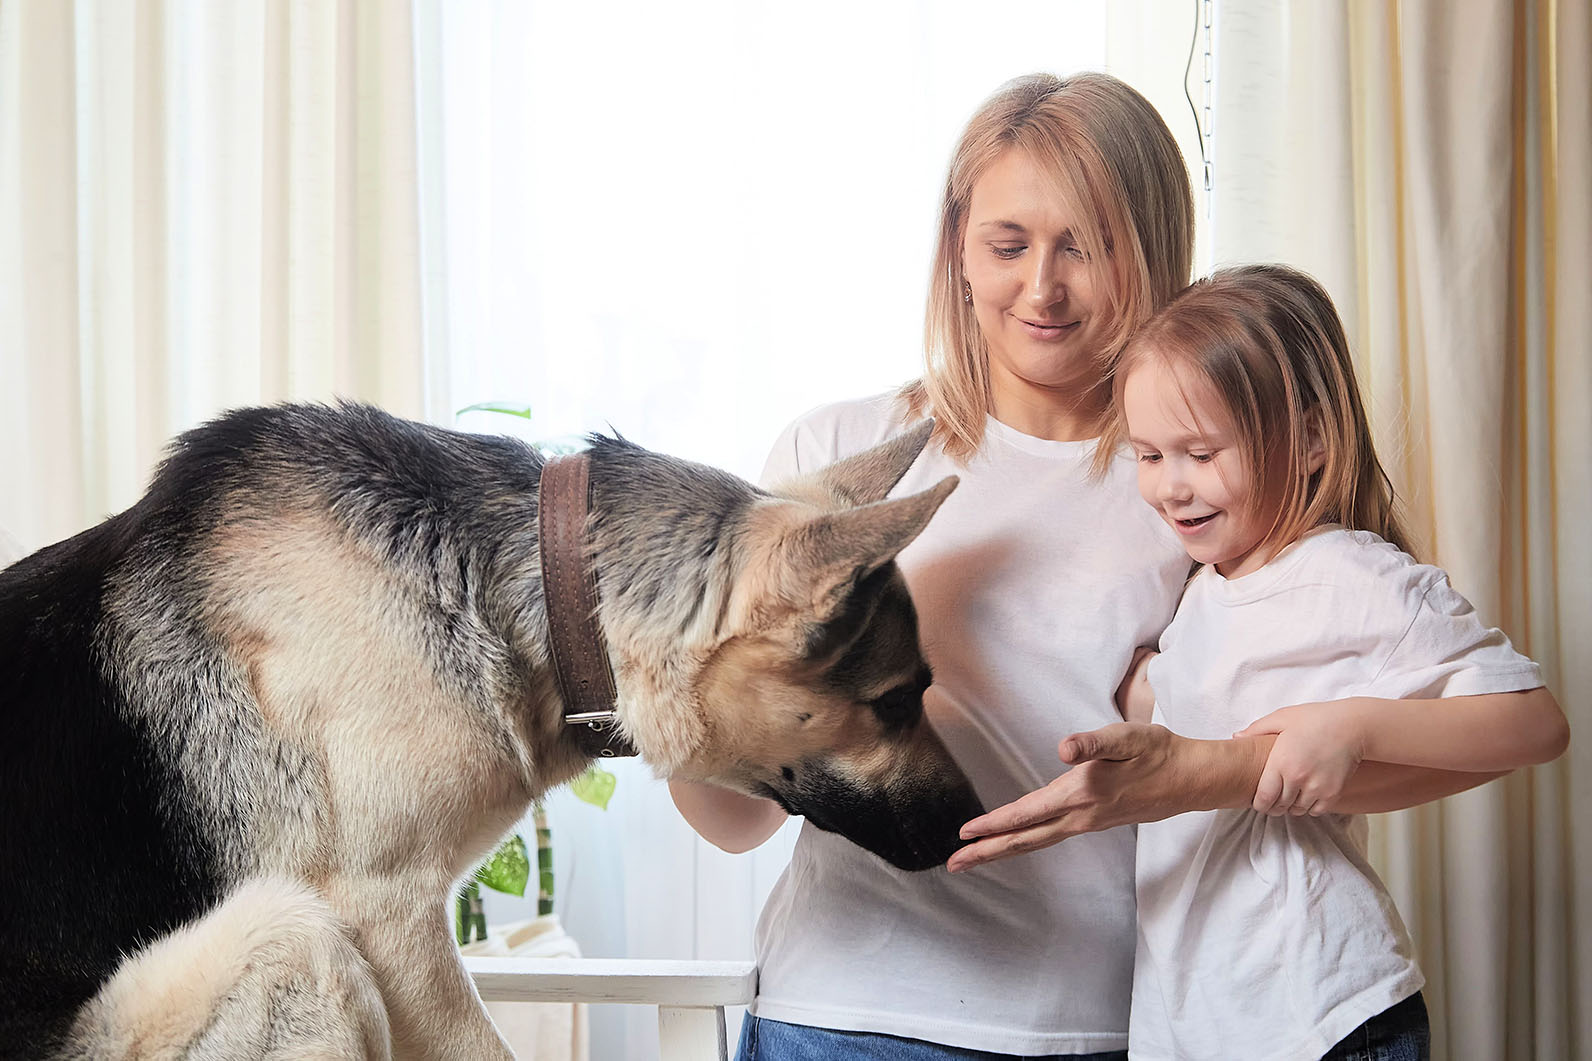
(1269, 935)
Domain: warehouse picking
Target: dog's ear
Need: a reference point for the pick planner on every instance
(835, 552)
(866, 477)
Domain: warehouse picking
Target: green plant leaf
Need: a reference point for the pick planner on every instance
(509, 867)
(595, 786)
(522, 411)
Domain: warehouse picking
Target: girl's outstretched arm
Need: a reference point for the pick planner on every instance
(1320, 746)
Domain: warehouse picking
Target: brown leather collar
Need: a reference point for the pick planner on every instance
(569, 587)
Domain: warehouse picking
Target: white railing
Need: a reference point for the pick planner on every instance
(690, 995)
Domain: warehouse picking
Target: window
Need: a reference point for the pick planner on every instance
(689, 223)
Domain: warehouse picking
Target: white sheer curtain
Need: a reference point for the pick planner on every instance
(201, 206)
(1431, 166)
(692, 222)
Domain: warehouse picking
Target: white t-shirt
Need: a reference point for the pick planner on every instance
(1033, 585)
(1272, 937)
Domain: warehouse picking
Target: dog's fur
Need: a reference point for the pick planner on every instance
(259, 725)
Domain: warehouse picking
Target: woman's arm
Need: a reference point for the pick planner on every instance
(1135, 698)
(1128, 773)
(1122, 774)
(727, 820)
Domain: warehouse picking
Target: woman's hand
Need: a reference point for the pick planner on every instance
(1122, 774)
(1319, 747)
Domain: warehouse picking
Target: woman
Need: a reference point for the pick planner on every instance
(1067, 220)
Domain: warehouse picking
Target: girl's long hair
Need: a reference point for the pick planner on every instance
(1268, 343)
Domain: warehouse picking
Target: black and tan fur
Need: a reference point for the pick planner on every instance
(258, 725)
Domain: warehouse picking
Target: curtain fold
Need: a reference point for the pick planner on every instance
(201, 206)
(39, 273)
(1562, 586)
(1433, 172)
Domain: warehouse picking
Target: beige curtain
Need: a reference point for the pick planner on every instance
(201, 206)
(1431, 162)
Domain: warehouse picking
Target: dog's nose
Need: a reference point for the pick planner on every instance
(912, 823)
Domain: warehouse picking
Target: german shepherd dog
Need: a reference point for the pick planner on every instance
(257, 726)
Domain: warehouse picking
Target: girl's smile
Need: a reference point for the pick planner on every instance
(1190, 469)
(1191, 527)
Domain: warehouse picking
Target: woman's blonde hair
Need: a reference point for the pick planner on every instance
(1113, 158)
(1268, 343)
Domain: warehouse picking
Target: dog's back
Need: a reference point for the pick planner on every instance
(141, 784)
(96, 820)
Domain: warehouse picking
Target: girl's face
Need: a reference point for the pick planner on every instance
(1190, 468)
(1033, 289)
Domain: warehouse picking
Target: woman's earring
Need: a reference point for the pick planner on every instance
(967, 292)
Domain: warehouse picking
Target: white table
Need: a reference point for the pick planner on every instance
(690, 995)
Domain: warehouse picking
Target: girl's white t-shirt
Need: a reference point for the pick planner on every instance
(1033, 584)
(1272, 937)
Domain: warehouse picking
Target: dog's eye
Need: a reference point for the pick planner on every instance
(900, 701)
(903, 705)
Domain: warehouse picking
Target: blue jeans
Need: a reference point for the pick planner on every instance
(1398, 1033)
(772, 1040)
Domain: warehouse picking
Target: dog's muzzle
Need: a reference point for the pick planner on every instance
(913, 825)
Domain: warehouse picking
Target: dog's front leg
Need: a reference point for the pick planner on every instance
(432, 1005)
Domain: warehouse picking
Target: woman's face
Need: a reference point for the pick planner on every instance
(1033, 288)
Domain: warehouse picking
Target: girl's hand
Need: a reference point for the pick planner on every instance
(1318, 748)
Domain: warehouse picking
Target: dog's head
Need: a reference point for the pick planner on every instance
(811, 693)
